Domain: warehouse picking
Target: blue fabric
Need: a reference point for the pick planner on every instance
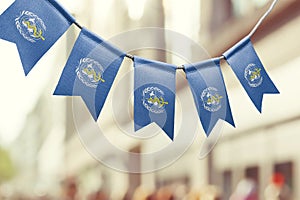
(154, 94)
(250, 71)
(34, 25)
(90, 71)
(209, 91)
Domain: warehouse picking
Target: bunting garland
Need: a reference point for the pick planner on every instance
(94, 63)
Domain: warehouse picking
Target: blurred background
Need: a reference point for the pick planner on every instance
(42, 157)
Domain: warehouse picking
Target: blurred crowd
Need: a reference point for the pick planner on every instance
(176, 192)
(171, 192)
(246, 189)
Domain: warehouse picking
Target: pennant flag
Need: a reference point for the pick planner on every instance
(154, 94)
(250, 71)
(90, 71)
(34, 25)
(209, 91)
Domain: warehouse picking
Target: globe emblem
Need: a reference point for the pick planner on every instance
(153, 100)
(253, 75)
(211, 99)
(90, 72)
(30, 26)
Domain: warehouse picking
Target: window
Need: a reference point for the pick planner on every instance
(227, 184)
(285, 169)
(252, 173)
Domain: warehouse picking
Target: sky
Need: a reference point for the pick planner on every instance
(19, 94)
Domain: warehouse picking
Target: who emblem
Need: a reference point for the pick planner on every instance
(30, 26)
(90, 72)
(253, 75)
(153, 100)
(211, 99)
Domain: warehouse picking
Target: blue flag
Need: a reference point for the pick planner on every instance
(34, 25)
(209, 91)
(90, 71)
(154, 94)
(250, 71)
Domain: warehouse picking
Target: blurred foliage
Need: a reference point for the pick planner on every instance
(7, 170)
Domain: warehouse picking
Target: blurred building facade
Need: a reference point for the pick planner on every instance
(260, 145)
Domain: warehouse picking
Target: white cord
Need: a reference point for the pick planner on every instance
(259, 22)
(262, 18)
